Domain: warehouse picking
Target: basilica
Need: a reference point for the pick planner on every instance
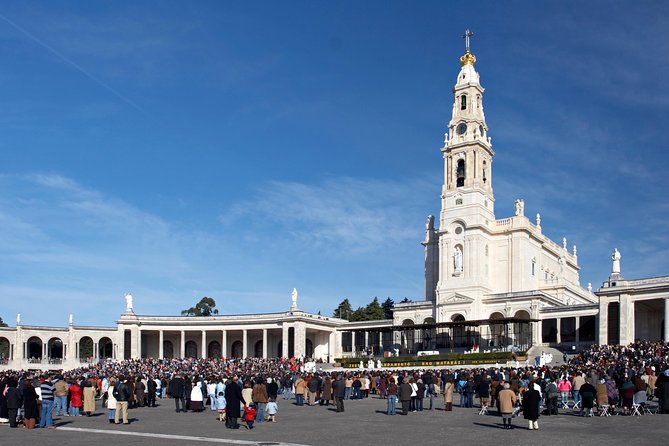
(490, 285)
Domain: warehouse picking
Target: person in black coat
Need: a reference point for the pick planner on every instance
(588, 393)
(338, 392)
(233, 399)
(405, 391)
(531, 402)
(14, 401)
(151, 387)
(272, 389)
(177, 389)
(30, 410)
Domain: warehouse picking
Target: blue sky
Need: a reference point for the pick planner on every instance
(238, 150)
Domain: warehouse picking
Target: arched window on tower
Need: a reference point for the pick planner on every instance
(478, 101)
(463, 102)
(460, 174)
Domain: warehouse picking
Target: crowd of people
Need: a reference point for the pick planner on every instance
(615, 378)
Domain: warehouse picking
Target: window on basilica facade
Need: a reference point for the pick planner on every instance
(460, 173)
(463, 102)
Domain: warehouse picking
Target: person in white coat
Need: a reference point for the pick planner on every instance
(196, 398)
(111, 401)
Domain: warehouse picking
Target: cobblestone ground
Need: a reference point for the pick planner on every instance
(363, 422)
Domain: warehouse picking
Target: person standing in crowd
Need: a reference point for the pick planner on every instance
(196, 399)
(122, 394)
(327, 391)
(405, 396)
(339, 393)
(110, 401)
(531, 402)
(449, 387)
(89, 398)
(211, 392)
(564, 387)
(507, 401)
(47, 390)
(259, 397)
(300, 389)
(233, 400)
(391, 391)
(177, 390)
(483, 390)
(14, 401)
(30, 398)
(249, 415)
(578, 381)
(76, 398)
(152, 388)
(552, 396)
(587, 394)
(272, 409)
(60, 396)
(349, 388)
(312, 390)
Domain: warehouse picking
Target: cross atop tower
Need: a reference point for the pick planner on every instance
(466, 36)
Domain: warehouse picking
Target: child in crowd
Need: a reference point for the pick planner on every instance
(272, 408)
(249, 415)
(220, 404)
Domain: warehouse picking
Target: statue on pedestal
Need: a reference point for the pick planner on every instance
(520, 207)
(457, 260)
(128, 302)
(294, 298)
(615, 257)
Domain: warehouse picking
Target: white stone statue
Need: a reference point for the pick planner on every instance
(18, 318)
(128, 302)
(294, 298)
(70, 319)
(564, 243)
(520, 207)
(457, 260)
(589, 287)
(378, 364)
(538, 219)
(615, 269)
(561, 266)
(361, 366)
(370, 364)
(429, 225)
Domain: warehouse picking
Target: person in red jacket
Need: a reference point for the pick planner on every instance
(75, 399)
(249, 415)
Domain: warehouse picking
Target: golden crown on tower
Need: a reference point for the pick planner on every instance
(467, 59)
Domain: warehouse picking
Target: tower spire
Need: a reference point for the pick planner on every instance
(468, 58)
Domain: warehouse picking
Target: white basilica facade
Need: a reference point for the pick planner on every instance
(490, 284)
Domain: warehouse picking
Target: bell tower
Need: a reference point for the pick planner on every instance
(463, 240)
(467, 190)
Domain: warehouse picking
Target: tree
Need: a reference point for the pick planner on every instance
(388, 306)
(374, 311)
(205, 307)
(344, 310)
(2, 323)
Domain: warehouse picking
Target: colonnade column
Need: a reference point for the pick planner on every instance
(203, 349)
(603, 317)
(244, 343)
(625, 323)
(264, 343)
(352, 343)
(284, 340)
(558, 322)
(182, 345)
(366, 339)
(160, 345)
(224, 344)
(577, 329)
(666, 320)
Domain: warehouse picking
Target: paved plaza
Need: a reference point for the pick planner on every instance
(363, 422)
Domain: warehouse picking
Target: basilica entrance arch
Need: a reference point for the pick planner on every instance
(168, 349)
(214, 349)
(4, 349)
(309, 348)
(34, 348)
(191, 349)
(55, 350)
(105, 348)
(522, 330)
(85, 348)
(237, 349)
(497, 330)
(257, 349)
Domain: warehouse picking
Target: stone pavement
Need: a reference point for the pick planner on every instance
(363, 422)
